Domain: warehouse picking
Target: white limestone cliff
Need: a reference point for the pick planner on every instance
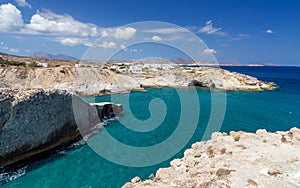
(237, 160)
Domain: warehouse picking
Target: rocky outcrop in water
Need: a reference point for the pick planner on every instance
(236, 160)
(36, 121)
(209, 77)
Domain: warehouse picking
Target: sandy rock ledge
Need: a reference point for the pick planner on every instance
(236, 160)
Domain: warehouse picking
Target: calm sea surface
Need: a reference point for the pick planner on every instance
(247, 111)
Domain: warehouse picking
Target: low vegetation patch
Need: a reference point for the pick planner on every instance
(33, 64)
(11, 63)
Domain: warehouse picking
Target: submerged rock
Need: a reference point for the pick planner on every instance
(236, 160)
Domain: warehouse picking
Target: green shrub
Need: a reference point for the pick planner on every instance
(33, 64)
(11, 63)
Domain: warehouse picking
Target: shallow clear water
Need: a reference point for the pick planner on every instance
(248, 111)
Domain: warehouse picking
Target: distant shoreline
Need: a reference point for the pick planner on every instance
(72, 61)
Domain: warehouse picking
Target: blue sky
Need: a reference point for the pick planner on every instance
(240, 31)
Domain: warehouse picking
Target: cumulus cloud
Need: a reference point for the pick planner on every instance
(107, 44)
(269, 31)
(209, 51)
(119, 33)
(210, 30)
(23, 3)
(125, 33)
(10, 18)
(75, 41)
(156, 38)
(54, 24)
(68, 31)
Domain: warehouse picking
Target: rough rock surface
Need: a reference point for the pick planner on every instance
(94, 81)
(236, 160)
(86, 81)
(209, 77)
(34, 121)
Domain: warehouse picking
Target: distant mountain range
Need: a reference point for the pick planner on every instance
(44, 55)
(63, 57)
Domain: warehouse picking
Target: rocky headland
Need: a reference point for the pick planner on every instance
(237, 160)
(97, 81)
(36, 121)
(40, 111)
(37, 103)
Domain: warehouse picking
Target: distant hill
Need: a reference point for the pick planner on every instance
(182, 61)
(44, 55)
(2, 53)
(5, 55)
(9, 55)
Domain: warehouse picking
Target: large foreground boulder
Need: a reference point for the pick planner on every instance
(36, 121)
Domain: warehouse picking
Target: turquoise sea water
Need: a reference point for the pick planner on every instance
(247, 111)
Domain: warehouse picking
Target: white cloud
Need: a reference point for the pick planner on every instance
(106, 44)
(170, 30)
(10, 18)
(123, 47)
(67, 30)
(209, 51)
(55, 24)
(210, 30)
(75, 41)
(156, 38)
(23, 3)
(13, 50)
(125, 33)
(1, 43)
(269, 31)
(119, 33)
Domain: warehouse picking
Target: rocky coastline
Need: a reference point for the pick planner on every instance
(241, 159)
(99, 81)
(35, 121)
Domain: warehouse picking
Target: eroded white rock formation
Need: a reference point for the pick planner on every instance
(96, 81)
(236, 160)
